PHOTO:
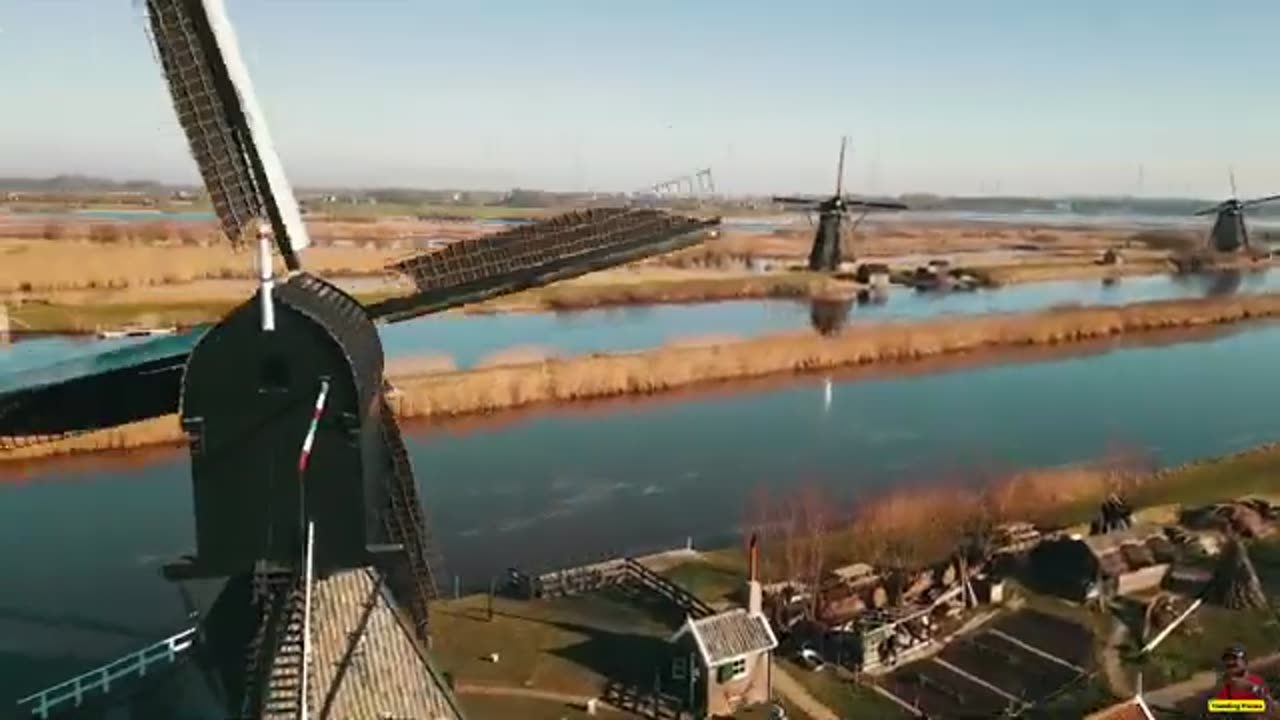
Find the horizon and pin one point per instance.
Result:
(371, 188)
(997, 100)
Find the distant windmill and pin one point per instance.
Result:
(826, 254)
(1229, 232)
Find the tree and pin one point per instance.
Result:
(814, 529)
(760, 521)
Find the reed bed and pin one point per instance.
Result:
(918, 524)
(432, 394)
(38, 266)
(674, 367)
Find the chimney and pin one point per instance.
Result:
(755, 594)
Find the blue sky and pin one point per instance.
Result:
(1015, 96)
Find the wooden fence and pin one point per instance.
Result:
(609, 573)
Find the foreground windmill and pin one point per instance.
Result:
(833, 213)
(1229, 232)
(305, 499)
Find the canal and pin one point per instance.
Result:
(84, 543)
(469, 339)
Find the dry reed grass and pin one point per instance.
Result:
(442, 395)
(913, 525)
(38, 266)
(668, 368)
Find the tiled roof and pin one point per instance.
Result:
(729, 636)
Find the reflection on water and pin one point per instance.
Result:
(1225, 282)
(828, 317)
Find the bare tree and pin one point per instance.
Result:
(761, 522)
(815, 527)
(792, 540)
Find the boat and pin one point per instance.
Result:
(133, 331)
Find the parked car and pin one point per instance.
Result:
(810, 658)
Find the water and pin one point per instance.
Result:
(471, 338)
(127, 215)
(557, 488)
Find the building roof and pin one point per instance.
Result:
(1130, 709)
(1100, 544)
(1124, 551)
(729, 636)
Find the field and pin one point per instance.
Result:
(1013, 656)
(573, 645)
(846, 698)
(93, 265)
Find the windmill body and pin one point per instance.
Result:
(834, 223)
(1230, 232)
(826, 253)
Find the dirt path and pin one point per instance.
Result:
(790, 689)
(531, 693)
(1112, 667)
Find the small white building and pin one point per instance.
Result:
(724, 662)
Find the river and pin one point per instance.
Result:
(469, 339)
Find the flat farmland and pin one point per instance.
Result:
(1014, 670)
(941, 693)
(1060, 638)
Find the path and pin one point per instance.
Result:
(531, 693)
(1112, 666)
(796, 694)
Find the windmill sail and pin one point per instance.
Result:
(219, 114)
(534, 255)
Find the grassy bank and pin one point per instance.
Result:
(85, 317)
(204, 301)
(432, 394)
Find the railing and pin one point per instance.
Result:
(133, 665)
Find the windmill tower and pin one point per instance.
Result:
(833, 212)
(306, 505)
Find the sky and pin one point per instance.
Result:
(1073, 97)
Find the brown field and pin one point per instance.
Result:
(442, 395)
(97, 264)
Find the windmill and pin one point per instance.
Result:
(1229, 232)
(305, 499)
(833, 213)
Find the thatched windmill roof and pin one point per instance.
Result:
(1235, 583)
